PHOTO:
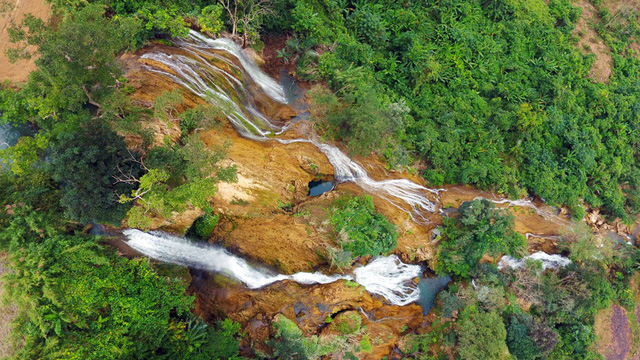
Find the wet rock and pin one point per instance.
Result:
(621, 228)
(298, 248)
(285, 113)
(315, 302)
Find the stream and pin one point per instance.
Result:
(385, 276)
(197, 68)
(220, 72)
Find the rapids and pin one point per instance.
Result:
(197, 67)
(548, 261)
(385, 276)
(221, 73)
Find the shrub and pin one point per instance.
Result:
(360, 229)
(204, 225)
(481, 335)
(480, 229)
(365, 343)
(289, 342)
(348, 323)
(339, 258)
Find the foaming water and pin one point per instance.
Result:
(198, 69)
(268, 84)
(385, 276)
(548, 261)
(391, 278)
(545, 212)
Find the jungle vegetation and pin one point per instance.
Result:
(490, 93)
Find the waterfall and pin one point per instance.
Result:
(544, 213)
(193, 66)
(385, 276)
(548, 261)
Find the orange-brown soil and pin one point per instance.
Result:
(17, 9)
(591, 43)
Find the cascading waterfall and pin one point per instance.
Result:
(544, 213)
(548, 261)
(219, 71)
(196, 71)
(384, 276)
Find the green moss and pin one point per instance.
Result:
(360, 229)
(348, 323)
(365, 344)
(351, 284)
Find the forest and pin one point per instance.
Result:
(493, 94)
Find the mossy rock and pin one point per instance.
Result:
(347, 322)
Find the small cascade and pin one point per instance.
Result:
(391, 278)
(548, 261)
(268, 84)
(196, 66)
(385, 276)
(544, 212)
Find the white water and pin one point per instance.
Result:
(212, 83)
(269, 85)
(547, 214)
(548, 261)
(385, 276)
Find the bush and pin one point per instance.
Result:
(198, 117)
(480, 228)
(338, 258)
(360, 229)
(365, 343)
(347, 323)
(481, 335)
(204, 225)
(289, 342)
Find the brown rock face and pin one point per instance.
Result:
(312, 307)
(276, 241)
(285, 113)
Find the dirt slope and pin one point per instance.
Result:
(15, 11)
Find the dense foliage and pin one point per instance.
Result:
(360, 229)
(84, 163)
(491, 93)
(478, 229)
(498, 95)
(482, 335)
(78, 300)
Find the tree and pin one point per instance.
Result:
(85, 162)
(76, 62)
(480, 228)
(246, 13)
(210, 19)
(519, 338)
(176, 177)
(360, 229)
(481, 335)
(362, 117)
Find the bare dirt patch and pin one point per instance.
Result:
(7, 313)
(613, 333)
(615, 6)
(19, 71)
(591, 43)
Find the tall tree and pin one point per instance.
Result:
(85, 163)
(76, 61)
